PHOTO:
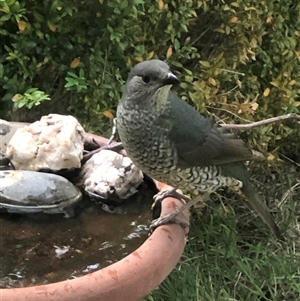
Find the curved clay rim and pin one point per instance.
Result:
(129, 279)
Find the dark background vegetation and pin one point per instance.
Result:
(72, 57)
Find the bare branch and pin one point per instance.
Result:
(261, 122)
(113, 147)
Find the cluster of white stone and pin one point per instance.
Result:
(56, 142)
(108, 173)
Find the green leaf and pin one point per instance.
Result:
(1, 71)
(205, 64)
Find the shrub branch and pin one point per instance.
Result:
(261, 122)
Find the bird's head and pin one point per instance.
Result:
(149, 82)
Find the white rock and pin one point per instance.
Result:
(108, 173)
(55, 142)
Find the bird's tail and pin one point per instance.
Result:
(260, 208)
(239, 171)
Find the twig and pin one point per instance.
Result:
(288, 193)
(289, 159)
(228, 92)
(261, 122)
(227, 111)
(113, 147)
(231, 71)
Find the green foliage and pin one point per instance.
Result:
(31, 97)
(75, 81)
(79, 53)
(261, 41)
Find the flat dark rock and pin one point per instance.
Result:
(30, 192)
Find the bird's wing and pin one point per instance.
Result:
(201, 142)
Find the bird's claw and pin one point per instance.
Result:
(172, 192)
(170, 218)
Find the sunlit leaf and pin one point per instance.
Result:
(269, 20)
(266, 92)
(139, 59)
(150, 55)
(212, 81)
(169, 52)
(108, 114)
(292, 82)
(16, 97)
(205, 64)
(227, 29)
(22, 25)
(128, 62)
(254, 106)
(161, 4)
(52, 27)
(271, 157)
(75, 62)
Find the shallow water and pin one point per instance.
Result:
(42, 248)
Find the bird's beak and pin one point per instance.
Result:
(171, 79)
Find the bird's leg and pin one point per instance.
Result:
(113, 131)
(172, 218)
(171, 192)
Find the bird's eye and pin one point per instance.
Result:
(146, 79)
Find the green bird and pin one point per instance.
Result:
(172, 143)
